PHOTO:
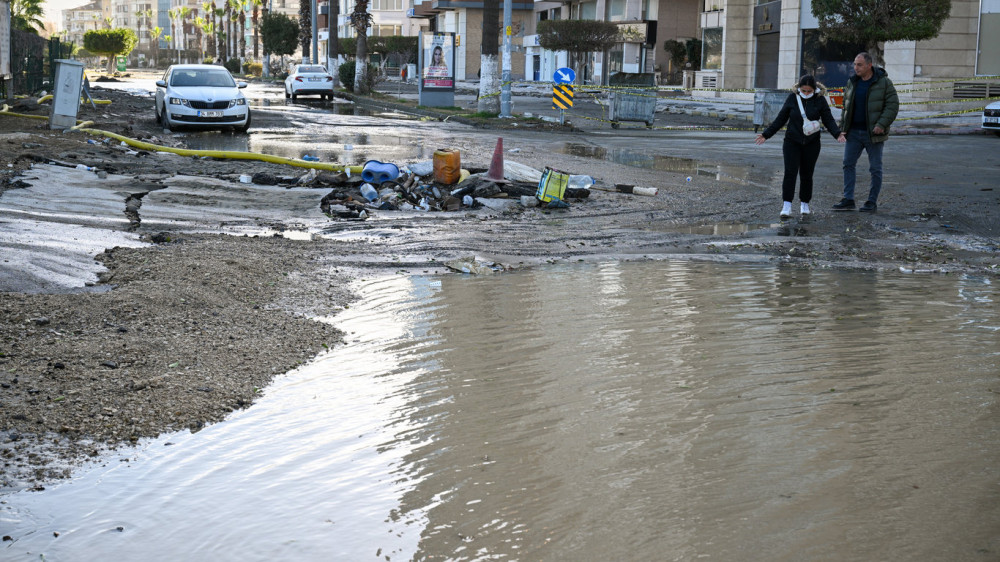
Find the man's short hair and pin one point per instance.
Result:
(866, 56)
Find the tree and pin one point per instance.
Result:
(305, 27)
(255, 20)
(243, 30)
(489, 79)
(873, 22)
(361, 20)
(578, 37)
(26, 15)
(279, 34)
(154, 37)
(110, 42)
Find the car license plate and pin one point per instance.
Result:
(315, 79)
(209, 114)
(991, 119)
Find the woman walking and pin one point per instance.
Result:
(803, 110)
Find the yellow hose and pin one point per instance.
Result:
(47, 97)
(229, 154)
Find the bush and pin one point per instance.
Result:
(253, 68)
(233, 65)
(208, 60)
(346, 75)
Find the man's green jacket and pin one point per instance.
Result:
(883, 105)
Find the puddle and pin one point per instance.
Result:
(578, 413)
(720, 228)
(337, 144)
(630, 157)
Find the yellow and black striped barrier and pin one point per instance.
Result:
(562, 96)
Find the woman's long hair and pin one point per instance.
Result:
(809, 80)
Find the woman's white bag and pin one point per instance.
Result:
(808, 127)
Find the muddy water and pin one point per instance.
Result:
(639, 411)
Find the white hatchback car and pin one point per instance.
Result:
(308, 79)
(991, 118)
(203, 96)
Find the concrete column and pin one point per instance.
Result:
(790, 46)
(632, 58)
(737, 44)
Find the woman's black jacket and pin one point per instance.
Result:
(816, 108)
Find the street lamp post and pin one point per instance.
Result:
(505, 72)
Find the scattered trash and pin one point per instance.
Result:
(552, 185)
(580, 182)
(246, 179)
(308, 158)
(82, 167)
(467, 201)
(447, 166)
(529, 201)
(378, 172)
(92, 141)
(475, 266)
(519, 172)
(348, 147)
(635, 190)
(689, 178)
(369, 192)
(422, 168)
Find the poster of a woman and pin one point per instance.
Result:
(438, 50)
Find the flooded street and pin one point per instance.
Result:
(669, 410)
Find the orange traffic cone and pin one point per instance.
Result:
(495, 173)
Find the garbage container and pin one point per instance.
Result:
(637, 103)
(767, 103)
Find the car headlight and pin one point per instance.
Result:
(237, 101)
(179, 101)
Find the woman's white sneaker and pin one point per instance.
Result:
(804, 209)
(786, 210)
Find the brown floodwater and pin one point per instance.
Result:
(669, 410)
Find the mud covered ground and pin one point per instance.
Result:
(181, 332)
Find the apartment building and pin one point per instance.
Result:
(78, 21)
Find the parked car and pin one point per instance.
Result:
(201, 95)
(991, 118)
(309, 79)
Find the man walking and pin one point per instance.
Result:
(870, 106)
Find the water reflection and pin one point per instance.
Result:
(631, 157)
(644, 411)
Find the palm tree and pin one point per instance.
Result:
(361, 20)
(305, 27)
(154, 36)
(243, 31)
(26, 15)
(209, 26)
(256, 25)
(172, 16)
(199, 27)
(145, 18)
(182, 13)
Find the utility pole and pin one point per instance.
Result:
(505, 73)
(315, 30)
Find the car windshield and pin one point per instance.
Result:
(311, 69)
(202, 77)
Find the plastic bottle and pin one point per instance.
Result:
(368, 192)
(580, 182)
(308, 158)
(82, 167)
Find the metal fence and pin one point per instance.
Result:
(31, 56)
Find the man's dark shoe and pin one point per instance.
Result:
(868, 207)
(844, 205)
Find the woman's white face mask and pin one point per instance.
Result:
(805, 95)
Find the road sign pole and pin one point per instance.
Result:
(562, 116)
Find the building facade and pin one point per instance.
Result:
(754, 44)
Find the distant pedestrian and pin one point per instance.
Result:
(802, 111)
(870, 107)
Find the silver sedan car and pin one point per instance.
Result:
(309, 79)
(203, 96)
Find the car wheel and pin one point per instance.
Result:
(246, 127)
(287, 95)
(294, 96)
(156, 109)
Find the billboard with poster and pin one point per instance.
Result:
(438, 61)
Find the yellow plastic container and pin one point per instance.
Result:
(447, 166)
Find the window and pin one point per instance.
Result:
(711, 49)
(386, 5)
(615, 10)
(584, 11)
